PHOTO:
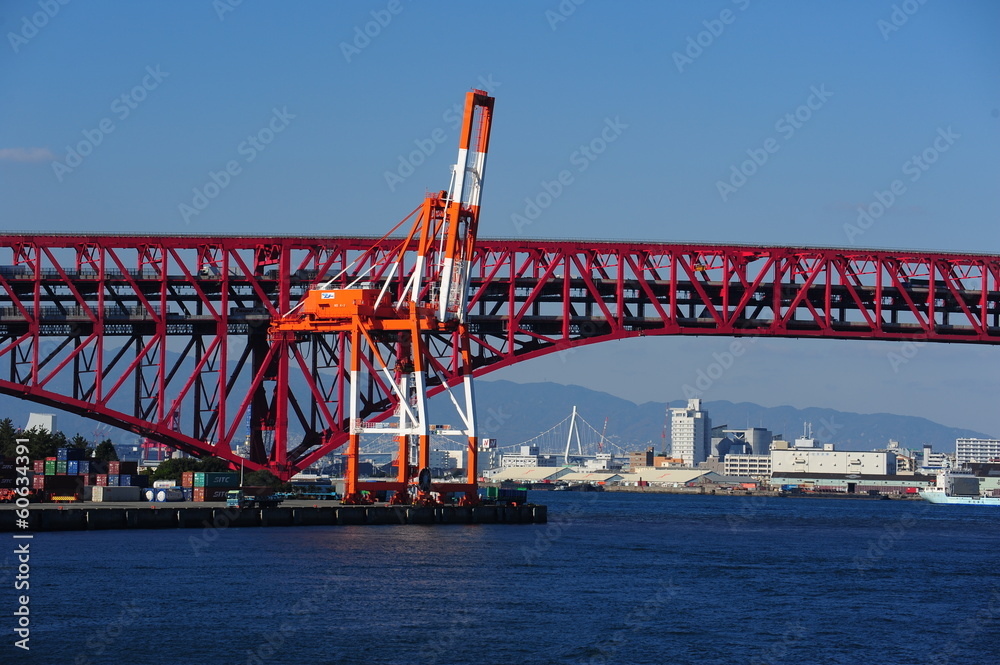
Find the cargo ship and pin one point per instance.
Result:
(958, 487)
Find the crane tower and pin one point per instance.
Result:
(405, 335)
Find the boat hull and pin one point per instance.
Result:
(938, 496)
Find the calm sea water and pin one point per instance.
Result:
(613, 578)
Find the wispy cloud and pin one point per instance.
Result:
(26, 155)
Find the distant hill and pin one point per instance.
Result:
(515, 412)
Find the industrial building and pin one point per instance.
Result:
(976, 450)
(851, 483)
(829, 461)
(755, 466)
(528, 456)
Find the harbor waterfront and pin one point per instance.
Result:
(141, 515)
(612, 578)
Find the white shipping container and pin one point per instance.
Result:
(106, 494)
(163, 484)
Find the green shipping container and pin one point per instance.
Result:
(50, 468)
(61, 467)
(219, 479)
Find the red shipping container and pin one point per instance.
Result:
(199, 494)
(113, 468)
(102, 479)
(39, 466)
(89, 479)
(187, 479)
(38, 482)
(51, 459)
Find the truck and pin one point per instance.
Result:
(253, 498)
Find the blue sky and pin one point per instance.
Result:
(691, 88)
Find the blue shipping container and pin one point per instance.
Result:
(72, 468)
(113, 480)
(84, 467)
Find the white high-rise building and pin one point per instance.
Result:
(976, 450)
(691, 433)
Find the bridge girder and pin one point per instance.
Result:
(166, 336)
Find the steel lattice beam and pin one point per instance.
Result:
(166, 336)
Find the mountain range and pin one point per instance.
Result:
(516, 412)
(513, 413)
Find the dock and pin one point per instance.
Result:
(43, 517)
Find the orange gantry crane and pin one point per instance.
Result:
(406, 334)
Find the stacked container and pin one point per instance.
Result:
(69, 472)
(7, 474)
(213, 486)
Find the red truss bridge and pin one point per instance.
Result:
(167, 336)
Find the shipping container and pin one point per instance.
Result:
(50, 467)
(63, 485)
(7, 469)
(133, 480)
(210, 493)
(83, 467)
(39, 466)
(163, 484)
(61, 467)
(102, 479)
(118, 468)
(113, 480)
(38, 482)
(68, 454)
(188, 493)
(98, 466)
(89, 479)
(105, 494)
(187, 479)
(217, 479)
(73, 468)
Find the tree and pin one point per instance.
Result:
(8, 434)
(43, 443)
(212, 464)
(105, 451)
(78, 442)
(172, 469)
(262, 478)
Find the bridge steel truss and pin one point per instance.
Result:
(167, 336)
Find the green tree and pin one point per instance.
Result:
(8, 434)
(172, 469)
(105, 451)
(262, 478)
(43, 443)
(212, 464)
(78, 442)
